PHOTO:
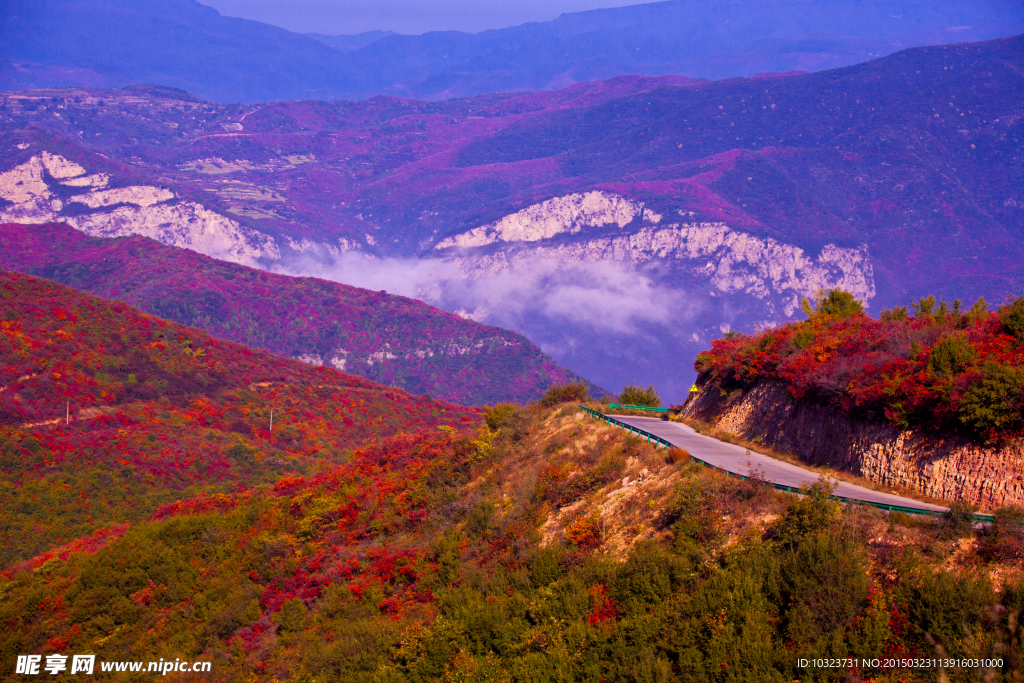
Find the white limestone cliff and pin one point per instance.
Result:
(24, 183)
(60, 168)
(569, 214)
(185, 224)
(139, 195)
(731, 261)
(135, 210)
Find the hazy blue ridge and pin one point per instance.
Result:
(181, 43)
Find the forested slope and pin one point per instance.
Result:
(941, 367)
(389, 339)
(106, 414)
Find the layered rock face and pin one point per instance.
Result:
(603, 226)
(954, 469)
(33, 191)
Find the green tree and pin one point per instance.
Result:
(634, 395)
(807, 514)
(574, 392)
(995, 401)
(977, 311)
(951, 355)
(836, 303)
(894, 314)
(924, 307)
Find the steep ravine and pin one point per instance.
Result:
(950, 468)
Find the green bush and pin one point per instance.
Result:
(447, 555)
(508, 418)
(951, 355)
(649, 576)
(634, 395)
(292, 616)
(994, 402)
(807, 514)
(574, 392)
(1012, 317)
(546, 565)
(803, 338)
(690, 513)
(826, 584)
(943, 604)
(479, 519)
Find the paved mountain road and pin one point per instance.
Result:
(739, 460)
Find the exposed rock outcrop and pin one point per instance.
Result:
(568, 214)
(730, 261)
(117, 212)
(950, 468)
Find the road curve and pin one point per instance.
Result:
(739, 460)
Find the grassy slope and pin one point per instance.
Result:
(158, 412)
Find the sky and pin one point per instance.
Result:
(402, 16)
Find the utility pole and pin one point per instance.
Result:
(271, 419)
(67, 412)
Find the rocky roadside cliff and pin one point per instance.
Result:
(950, 468)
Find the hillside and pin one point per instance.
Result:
(106, 414)
(945, 368)
(184, 44)
(547, 546)
(389, 339)
(700, 39)
(661, 209)
(175, 43)
(931, 400)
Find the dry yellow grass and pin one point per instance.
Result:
(629, 506)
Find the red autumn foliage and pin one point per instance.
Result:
(942, 369)
(435, 352)
(602, 606)
(107, 415)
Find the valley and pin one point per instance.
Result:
(785, 184)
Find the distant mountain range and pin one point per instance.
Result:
(390, 339)
(618, 224)
(183, 44)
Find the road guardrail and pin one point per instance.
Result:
(624, 407)
(659, 441)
